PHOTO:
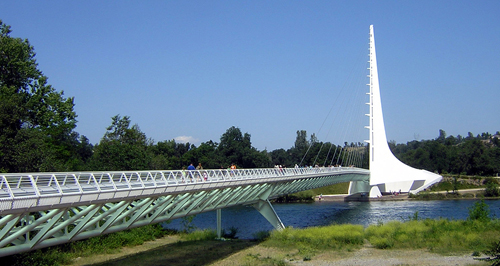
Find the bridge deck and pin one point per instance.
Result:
(21, 192)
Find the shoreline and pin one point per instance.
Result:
(341, 197)
(474, 195)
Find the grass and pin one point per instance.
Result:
(440, 236)
(447, 237)
(64, 254)
(328, 237)
(200, 235)
(308, 195)
(340, 188)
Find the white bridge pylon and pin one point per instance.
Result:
(387, 173)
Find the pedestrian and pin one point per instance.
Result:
(198, 168)
(190, 169)
(183, 174)
(233, 167)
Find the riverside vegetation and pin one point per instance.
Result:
(478, 235)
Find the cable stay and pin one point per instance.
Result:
(348, 120)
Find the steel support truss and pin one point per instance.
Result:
(39, 225)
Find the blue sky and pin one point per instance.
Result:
(192, 69)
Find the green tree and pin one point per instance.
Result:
(235, 147)
(207, 155)
(36, 122)
(123, 147)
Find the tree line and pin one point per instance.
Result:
(37, 131)
(470, 155)
(37, 134)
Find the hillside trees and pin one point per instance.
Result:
(236, 148)
(478, 155)
(36, 121)
(123, 147)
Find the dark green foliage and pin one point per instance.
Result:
(36, 121)
(231, 234)
(471, 155)
(491, 188)
(305, 196)
(236, 148)
(122, 148)
(261, 235)
(187, 224)
(480, 211)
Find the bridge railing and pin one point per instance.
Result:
(28, 190)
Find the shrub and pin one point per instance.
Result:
(480, 211)
(187, 223)
(232, 233)
(261, 235)
(200, 235)
(491, 189)
(382, 243)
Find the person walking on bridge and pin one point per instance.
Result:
(190, 172)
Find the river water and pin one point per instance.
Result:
(248, 221)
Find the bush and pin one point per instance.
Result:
(200, 235)
(480, 211)
(491, 189)
(232, 233)
(261, 235)
(64, 254)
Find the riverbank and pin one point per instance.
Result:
(475, 193)
(341, 197)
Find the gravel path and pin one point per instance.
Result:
(376, 257)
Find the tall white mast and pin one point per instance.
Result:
(387, 173)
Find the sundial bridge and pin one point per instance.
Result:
(39, 210)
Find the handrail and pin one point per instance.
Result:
(28, 190)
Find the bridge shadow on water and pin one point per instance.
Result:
(184, 253)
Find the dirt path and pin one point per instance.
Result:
(171, 251)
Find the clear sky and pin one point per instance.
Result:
(192, 69)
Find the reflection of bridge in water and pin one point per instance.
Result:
(45, 209)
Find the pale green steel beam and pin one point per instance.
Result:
(266, 209)
(70, 224)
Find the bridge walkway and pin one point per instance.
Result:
(38, 210)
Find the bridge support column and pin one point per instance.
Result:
(266, 209)
(359, 187)
(219, 223)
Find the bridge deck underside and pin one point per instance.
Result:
(41, 225)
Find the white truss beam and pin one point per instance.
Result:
(38, 210)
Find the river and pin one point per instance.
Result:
(248, 221)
